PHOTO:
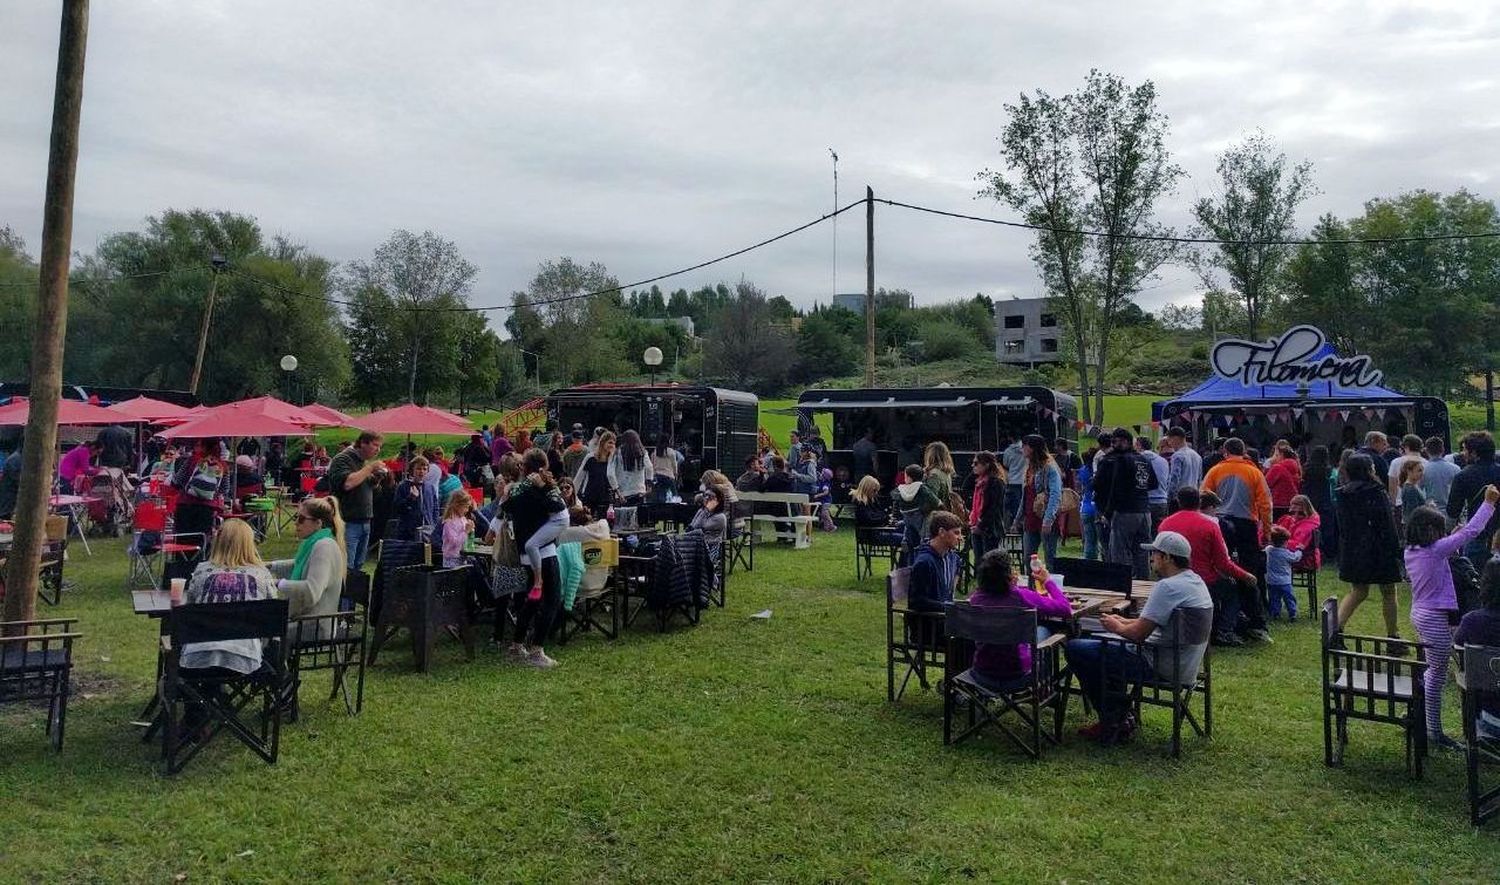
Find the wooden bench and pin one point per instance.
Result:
(795, 526)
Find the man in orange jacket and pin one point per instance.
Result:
(1246, 507)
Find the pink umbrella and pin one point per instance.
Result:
(217, 423)
(269, 407)
(151, 411)
(333, 416)
(414, 419)
(69, 411)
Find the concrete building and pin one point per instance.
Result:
(1026, 332)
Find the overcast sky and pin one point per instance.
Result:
(653, 135)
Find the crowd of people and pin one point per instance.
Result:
(1226, 532)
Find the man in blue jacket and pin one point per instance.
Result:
(934, 568)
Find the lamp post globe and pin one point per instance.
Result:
(652, 357)
(288, 363)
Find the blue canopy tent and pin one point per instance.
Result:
(1294, 402)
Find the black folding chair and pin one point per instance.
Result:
(739, 537)
(871, 543)
(1308, 578)
(335, 642)
(36, 664)
(1478, 681)
(51, 583)
(913, 639)
(1371, 683)
(1094, 574)
(1027, 696)
(1014, 543)
(218, 699)
(1187, 627)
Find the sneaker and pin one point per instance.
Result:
(1395, 647)
(539, 660)
(1259, 634)
(1227, 640)
(515, 653)
(1093, 731)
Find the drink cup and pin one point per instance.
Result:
(176, 587)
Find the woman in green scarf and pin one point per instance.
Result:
(314, 580)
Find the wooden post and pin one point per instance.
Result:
(38, 458)
(869, 287)
(208, 318)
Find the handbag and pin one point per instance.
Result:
(506, 552)
(509, 580)
(203, 485)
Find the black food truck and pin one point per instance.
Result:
(905, 420)
(713, 428)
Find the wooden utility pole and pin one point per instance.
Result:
(208, 318)
(38, 458)
(869, 287)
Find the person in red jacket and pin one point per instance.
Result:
(1303, 522)
(1284, 478)
(1226, 581)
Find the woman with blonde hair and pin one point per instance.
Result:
(313, 581)
(233, 572)
(938, 470)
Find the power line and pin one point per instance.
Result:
(1161, 238)
(581, 295)
(85, 282)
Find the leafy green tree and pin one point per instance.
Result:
(1095, 159)
(18, 289)
(567, 314)
(748, 348)
(141, 296)
(829, 343)
(1257, 206)
(414, 290)
(478, 360)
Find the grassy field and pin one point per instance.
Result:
(738, 750)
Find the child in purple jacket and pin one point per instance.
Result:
(1434, 604)
(996, 665)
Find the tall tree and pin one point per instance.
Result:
(1257, 206)
(141, 295)
(566, 315)
(426, 281)
(747, 348)
(1095, 159)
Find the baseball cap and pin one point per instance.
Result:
(1172, 544)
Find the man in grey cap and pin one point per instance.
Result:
(1178, 617)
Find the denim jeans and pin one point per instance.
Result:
(1127, 532)
(1276, 594)
(1226, 596)
(1014, 493)
(1090, 537)
(1032, 541)
(357, 542)
(1104, 671)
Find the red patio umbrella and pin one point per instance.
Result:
(333, 416)
(69, 411)
(414, 419)
(268, 407)
(151, 411)
(231, 423)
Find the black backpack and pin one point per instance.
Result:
(1465, 583)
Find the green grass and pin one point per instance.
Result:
(738, 750)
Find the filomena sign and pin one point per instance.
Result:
(1300, 355)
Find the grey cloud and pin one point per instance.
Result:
(653, 135)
